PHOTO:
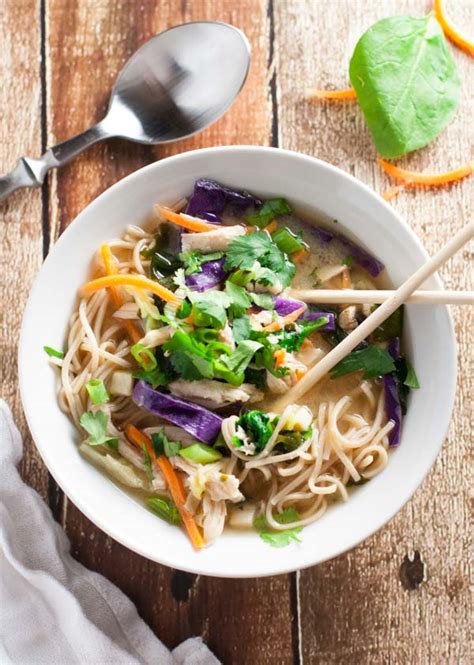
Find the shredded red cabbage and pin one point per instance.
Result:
(212, 274)
(210, 198)
(393, 407)
(373, 266)
(330, 326)
(194, 419)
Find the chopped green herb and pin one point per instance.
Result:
(241, 328)
(288, 241)
(391, 327)
(52, 352)
(144, 356)
(291, 340)
(373, 360)
(97, 391)
(263, 300)
(270, 209)
(238, 361)
(95, 425)
(194, 260)
(243, 252)
(239, 299)
(348, 261)
(209, 314)
(279, 538)
(184, 310)
(200, 453)
(164, 508)
(258, 377)
(163, 446)
(258, 426)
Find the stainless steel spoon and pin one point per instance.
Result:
(175, 85)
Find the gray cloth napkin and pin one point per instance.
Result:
(52, 609)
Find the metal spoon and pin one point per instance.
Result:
(175, 85)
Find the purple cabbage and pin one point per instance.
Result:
(285, 306)
(393, 407)
(373, 266)
(330, 326)
(394, 347)
(210, 198)
(194, 419)
(212, 274)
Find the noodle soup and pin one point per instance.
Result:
(185, 337)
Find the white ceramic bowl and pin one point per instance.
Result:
(323, 191)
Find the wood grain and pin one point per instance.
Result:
(372, 605)
(20, 217)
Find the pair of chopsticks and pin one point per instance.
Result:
(391, 300)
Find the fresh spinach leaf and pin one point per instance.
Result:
(406, 82)
(391, 327)
(373, 360)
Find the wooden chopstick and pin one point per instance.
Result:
(355, 296)
(377, 317)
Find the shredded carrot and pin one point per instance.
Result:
(111, 268)
(411, 178)
(279, 355)
(307, 344)
(274, 326)
(186, 221)
(298, 256)
(299, 373)
(272, 227)
(175, 485)
(450, 30)
(139, 281)
(332, 95)
(394, 191)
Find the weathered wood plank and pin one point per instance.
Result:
(21, 215)
(358, 607)
(83, 59)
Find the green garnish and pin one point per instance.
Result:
(258, 426)
(279, 538)
(391, 327)
(239, 298)
(97, 391)
(95, 425)
(411, 379)
(288, 241)
(291, 340)
(258, 249)
(238, 361)
(348, 261)
(144, 356)
(155, 377)
(200, 453)
(373, 360)
(263, 300)
(52, 352)
(241, 328)
(163, 446)
(194, 260)
(270, 209)
(164, 508)
(406, 82)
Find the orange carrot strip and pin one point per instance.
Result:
(299, 256)
(271, 227)
(279, 355)
(111, 268)
(299, 373)
(450, 30)
(332, 95)
(173, 481)
(394, 191)
(274, 326)
(139, 281)
(186, 221)
(411, 178)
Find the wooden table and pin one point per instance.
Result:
(403, 595)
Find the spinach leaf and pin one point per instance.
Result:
(406, 82)
(258, 426)
(373, 360)
(391, 327)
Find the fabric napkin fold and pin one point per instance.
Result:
(52, 609)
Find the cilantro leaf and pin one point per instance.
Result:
(209, 314)
(241, 328)
(189, 357)
(239, 299)
(97, 391)
(373, 360)
(270, 209)
(279, 538)
(292, 340)
(244, 251)
(95, 425)
(237, 362)
(194, 260)
(263, 300)
(163, 446)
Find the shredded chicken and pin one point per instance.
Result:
(261, 319)
(276, 385)
(214, 394)
(157, 337)
(226, 336)
(211, 241)
(274, 289)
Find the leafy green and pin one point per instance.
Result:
(200, 453)
(241, 328)
(239, 298)
(189, 357)
(163, 446)
(279, 538)
(194, 260)
(406, 82)
(288, 441)
(184, 310)
(263, 300)
(258, 426)
(165, 509)
(208, 313)
(144, 356)
(411, 379)
(288, 241)
(52, 353)
(97, 391)
(391, 327)
(243, 252)
(373, 360)
(348, 261)
(257, 377)
(291, 340)
(239, 359)
(270, 209)
(95, 425)
(161, 375)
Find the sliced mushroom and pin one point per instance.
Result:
(347, 319)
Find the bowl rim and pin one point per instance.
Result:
(164, 558)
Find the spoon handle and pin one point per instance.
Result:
(30, 172)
